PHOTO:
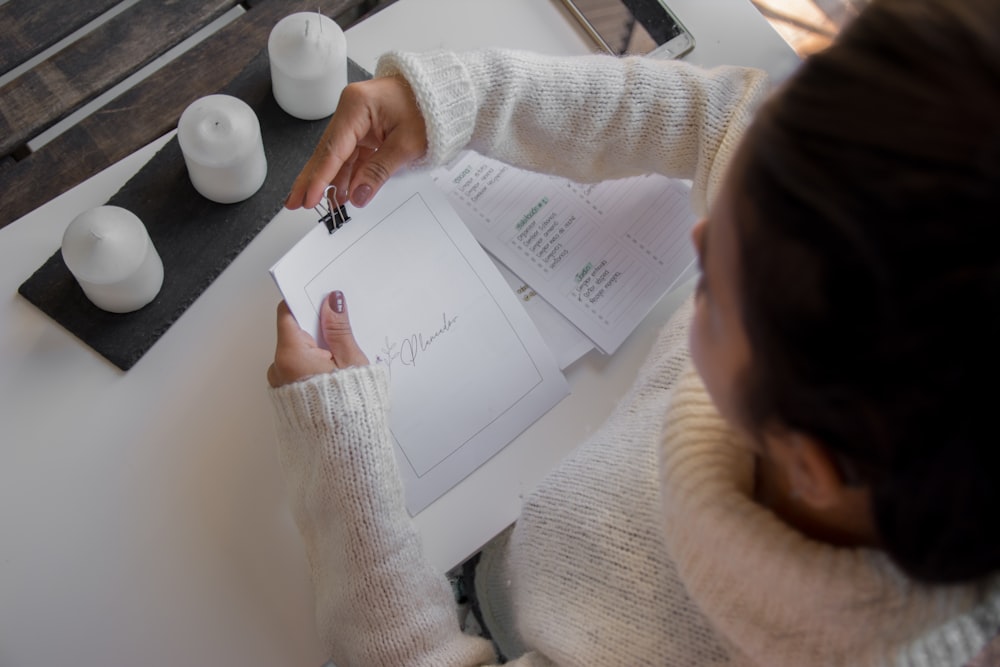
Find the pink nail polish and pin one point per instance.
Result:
(337, 301)
(362, 195)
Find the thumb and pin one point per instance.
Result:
(336, 328)
(374, 167)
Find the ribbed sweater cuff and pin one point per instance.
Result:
(349, 407)
(445, 96)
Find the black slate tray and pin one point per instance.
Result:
(196, 238)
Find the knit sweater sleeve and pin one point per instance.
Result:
(588, 118)
(378, 600)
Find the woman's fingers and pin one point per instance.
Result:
(376, 130)
(336, 326)
(296, 355)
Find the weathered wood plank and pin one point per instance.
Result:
(352, 12)
(30, 26)
(41, 96)
(148, 110)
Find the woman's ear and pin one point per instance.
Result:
(810, 473)
(811, 495)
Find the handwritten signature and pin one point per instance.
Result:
(408, 350)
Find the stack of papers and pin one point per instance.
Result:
(475, 345)
(601, 255)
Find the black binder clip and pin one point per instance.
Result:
(333, 215)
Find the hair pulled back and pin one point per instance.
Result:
(870, 266)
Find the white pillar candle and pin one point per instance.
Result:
(308, 54)
(109, 252)
(220, 139)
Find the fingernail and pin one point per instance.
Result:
(362, 194)
(337, 301)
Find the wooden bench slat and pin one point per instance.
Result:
(148, 110)
(30, 26)
(41, 96)
(351, 14)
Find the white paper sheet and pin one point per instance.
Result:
(469, 370)
(566, 341)
(601, 254)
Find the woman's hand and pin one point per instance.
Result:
(297, 356)
(376, 129)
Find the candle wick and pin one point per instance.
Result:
(307, 28)
(319, 17)
(97, 235)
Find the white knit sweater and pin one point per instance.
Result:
(645, 546)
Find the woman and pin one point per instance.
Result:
(826, 490)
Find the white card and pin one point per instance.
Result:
(469, 370)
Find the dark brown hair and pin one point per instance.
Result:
(870, 265)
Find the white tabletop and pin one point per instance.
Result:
(142, 516)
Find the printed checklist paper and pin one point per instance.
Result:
(469, 370)
(601, 254)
